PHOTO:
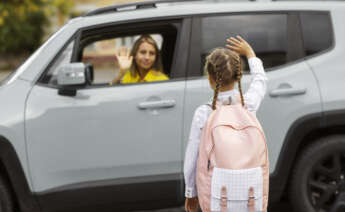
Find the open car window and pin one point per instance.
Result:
(98, 47)
(101, 55)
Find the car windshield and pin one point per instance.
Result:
(13, 75)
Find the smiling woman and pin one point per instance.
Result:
(132, 58)
(147, 65)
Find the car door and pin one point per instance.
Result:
(113, 145)
(292, 90)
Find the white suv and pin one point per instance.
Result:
(71, 142)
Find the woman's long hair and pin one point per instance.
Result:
(157, 65)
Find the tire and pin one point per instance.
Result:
(318, 178)
(6, 203)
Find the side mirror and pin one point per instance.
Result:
(89, 74)
(72, 76)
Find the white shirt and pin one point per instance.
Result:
(252, 99)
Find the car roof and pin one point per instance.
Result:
(205, 6)
(190, 8)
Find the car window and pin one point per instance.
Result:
(317, 31)
(151, 44)
(267, 33)
(65, 56)
(96, 47)
(101, 54)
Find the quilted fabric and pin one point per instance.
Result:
(237, 183)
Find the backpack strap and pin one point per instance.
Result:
(223, 200)
(232, 100)
(251, 200)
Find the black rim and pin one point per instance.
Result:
(326, 183)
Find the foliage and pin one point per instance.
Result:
(22, 23)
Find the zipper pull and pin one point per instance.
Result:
(208, 165)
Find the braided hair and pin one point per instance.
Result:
(224, 66)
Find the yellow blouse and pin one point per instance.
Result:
(152, 75)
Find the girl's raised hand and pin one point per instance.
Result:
(124, 59)
(240, 46)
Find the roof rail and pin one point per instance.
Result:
(137, 5)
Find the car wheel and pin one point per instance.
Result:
(6, 203)
(318, 179)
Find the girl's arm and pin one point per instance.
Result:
(257, 88)
(192, 151)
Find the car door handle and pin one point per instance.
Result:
(287, 91)
(157, 104)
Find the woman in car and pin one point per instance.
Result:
(147, 64)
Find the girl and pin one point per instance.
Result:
(147, 64)
(224, 69)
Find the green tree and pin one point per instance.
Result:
(22, 23)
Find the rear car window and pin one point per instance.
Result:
(317, 32)
(267, 34)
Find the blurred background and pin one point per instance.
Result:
(26, 24)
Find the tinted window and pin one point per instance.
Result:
(267, 33)
(317, 32)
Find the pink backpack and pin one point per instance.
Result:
(233, 167)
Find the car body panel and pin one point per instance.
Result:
(329, 67)
(101, 134)
(285, 110)
(12, 124)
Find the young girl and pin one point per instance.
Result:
(224, 70)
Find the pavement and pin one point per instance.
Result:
(278, 207)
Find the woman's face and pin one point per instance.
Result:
(145, 56)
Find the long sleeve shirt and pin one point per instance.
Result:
(252, 100)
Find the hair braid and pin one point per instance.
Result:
(238, 77)
(224, 67)
(216, 91)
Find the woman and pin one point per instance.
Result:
(147, 66)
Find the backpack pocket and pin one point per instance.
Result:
(237, 184)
